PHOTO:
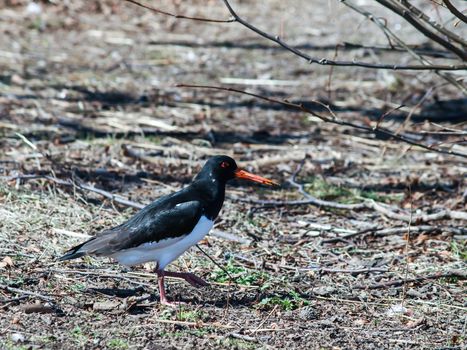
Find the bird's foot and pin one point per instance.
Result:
(191, 278)
(171, 303)
(195, 281)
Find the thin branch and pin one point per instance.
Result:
(455, 11)
(26, 292)
(407, 15)
(333, 119)
(369, 204)
(69, 183)
(325, 61)
(422, 16)
(354, 271)
(421, 51)
(389, 32)
(200, 19)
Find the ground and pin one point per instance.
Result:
(88, 98)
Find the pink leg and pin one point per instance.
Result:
(192, 279)
(160, 278)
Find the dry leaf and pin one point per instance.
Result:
(7, 262)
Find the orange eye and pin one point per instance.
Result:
(225, 165)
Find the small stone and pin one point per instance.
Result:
(308, 313)
(106, 306)
(324, 291)
(363, 296)
(17, 338)
(414, 293)
(397, 309)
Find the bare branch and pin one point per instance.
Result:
(422, 16)
(328, 62)
(455, 11)
(389, 32)
(201, 19)
(334, 119)
(310, 59)
(409, 17)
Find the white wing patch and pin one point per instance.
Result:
(166, 250)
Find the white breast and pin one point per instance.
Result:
(165, 251)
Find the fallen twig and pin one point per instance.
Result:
(26, 292)
(199, 324)
(115, 198)
(445, 214)
(368, 204)
(395, 283)
(354, 271)
(380, 232)
(69, 183)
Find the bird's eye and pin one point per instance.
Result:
(225, 165)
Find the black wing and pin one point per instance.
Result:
(157, 221)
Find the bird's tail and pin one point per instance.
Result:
(101, 245)
(75, 252)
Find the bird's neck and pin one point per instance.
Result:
(212, 193)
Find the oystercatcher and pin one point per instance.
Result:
(166, 228)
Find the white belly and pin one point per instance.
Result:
(166, 250)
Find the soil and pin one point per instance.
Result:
(88, 97)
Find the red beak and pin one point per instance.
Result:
(242, 174)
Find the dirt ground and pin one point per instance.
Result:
(88, 100)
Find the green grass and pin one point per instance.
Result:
(117, 343)
(321, 189)
(239, 274)
(77, 287)
(291, 302)
(11, 346)
(233, 343)
(45, 340)
(459, 249)
(159, 54)
(190, 315)
(18, 281)
(183, 314)
(78, 336)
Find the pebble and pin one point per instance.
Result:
(17, 338)
(324, 291)
(308, 313)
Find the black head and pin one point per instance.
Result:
(224, 168)
(221, 168)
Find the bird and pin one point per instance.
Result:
(164, 229)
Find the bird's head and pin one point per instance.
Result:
(224, 168)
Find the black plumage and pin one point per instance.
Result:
(171, 224)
